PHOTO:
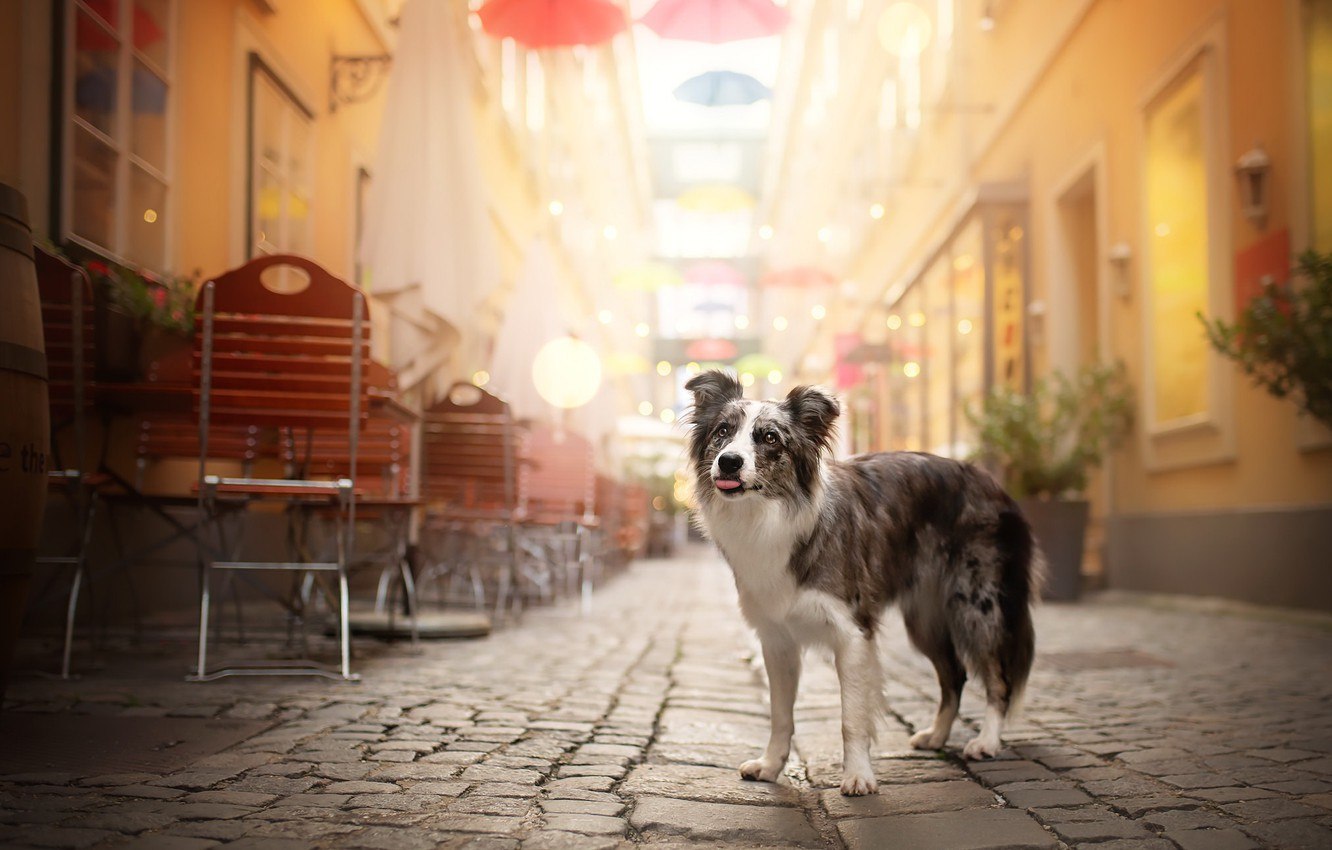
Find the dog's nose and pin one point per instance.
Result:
(730, 463)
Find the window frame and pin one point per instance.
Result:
(68, 124)
(1207, 437)
(256, 65)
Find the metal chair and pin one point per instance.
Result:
(67, 323)
(273, 353)
(473, 487)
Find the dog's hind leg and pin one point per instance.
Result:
(860, 676)
(938, 647)
(781, 658)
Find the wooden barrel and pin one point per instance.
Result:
(24, 420)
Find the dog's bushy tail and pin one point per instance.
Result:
(1022, 575)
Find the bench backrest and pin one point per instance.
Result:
(471, 460)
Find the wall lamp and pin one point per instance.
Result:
(1252, 170)
(355, 79)
(1119, 256)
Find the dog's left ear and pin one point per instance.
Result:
(815, 410)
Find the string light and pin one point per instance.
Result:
(779, 323)
(663, 368)
(894, 322)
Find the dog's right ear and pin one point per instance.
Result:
(711, 390)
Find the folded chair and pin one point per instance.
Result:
(67, 323)
(561, 504)
(473, 487)
(282, 344)
(383, 498)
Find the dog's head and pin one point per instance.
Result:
(742, 449)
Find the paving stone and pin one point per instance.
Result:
(218, 830)
(710, 784)
(151, 792)
(169, 842)
(486, 773)
(908, 799)
(509, 806)
(1186, 819)
(1211, 839)
(130, 823)
(614, 771)
(581, 807)
(1292, 834)
(237, 798)
(1270, 810)
(400, 801)
(59, 836)
(361, 787)
(585, 824)
(659, 817)
(581, 783)
(977, 829)
(1100, 830)
(1040, 795)
(569, 841)
(444, 789)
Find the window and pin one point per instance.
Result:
(118, 68)
(1178, 271)
(280, 166)
(1318, 87)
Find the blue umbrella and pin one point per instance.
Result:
(722, 88)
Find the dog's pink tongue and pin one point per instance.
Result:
(723, 484)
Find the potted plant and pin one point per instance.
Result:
(161, 309)
(1043, 444)
(1283, 337)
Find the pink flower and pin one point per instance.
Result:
(159, 297)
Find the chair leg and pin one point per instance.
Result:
(344, 624)
(70, 612)
(205, 575)
(409, 596)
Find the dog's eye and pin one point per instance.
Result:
(770, 437)
(723, 431)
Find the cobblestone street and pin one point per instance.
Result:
(1144, 727)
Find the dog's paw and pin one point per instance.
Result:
(858, 784)
(760, 770)
(980, 748)
(928, 740)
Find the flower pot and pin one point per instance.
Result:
(165, 356)
(1061, 531)
(117, 334)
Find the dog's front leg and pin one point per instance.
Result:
(781, 658)
(861, 681)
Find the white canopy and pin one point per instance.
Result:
(429, 243)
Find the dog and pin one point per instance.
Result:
(820, 548)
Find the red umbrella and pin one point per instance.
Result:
(553, 23)
(798, 277)
(716, 21)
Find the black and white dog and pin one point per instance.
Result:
(821, 547)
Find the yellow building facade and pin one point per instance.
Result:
(1097, 212)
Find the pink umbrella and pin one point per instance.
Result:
(552, 23)
(714, 273)
(710, 349)
(798, 277)
(716, 21)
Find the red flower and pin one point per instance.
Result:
(159, 297)
(98, 268)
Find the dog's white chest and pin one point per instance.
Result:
(757, 541)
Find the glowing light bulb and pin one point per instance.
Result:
(894, 322)
(779, 323)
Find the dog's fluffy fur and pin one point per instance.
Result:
(820, 548)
